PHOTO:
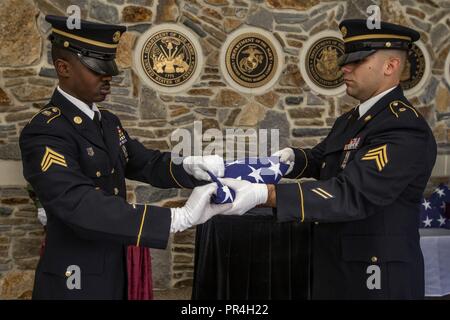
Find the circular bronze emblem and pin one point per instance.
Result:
(321, 62)
(251, 60)
(414, 68)
(169, 58)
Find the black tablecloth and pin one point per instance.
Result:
(251, 257)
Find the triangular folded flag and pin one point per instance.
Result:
(267, 170)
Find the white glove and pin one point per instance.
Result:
(248, 195)
(42, 217)
(287, 156)
(198, 209)
(198, 165)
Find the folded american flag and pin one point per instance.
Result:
(433, 211)
(267, 170)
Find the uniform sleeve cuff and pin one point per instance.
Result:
(289, 202)
(155, 227)
(301, 163)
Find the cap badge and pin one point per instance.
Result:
(116, 36)
(344, 31)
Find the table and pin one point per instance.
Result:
(435, 244)
(251, 257)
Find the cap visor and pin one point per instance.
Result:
(103, 67)
(354, 57)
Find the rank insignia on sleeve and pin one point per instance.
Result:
(322, 193)
(52, 157)
(379, 155)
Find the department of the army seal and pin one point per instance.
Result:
(251, 60)
(169, 58)
(414, 68)
(321, 62)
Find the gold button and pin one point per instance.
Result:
(77, 120)
(324, 164)
(388, 44)
(316, 223)
(98, 174)
(367, 118)
(402, 109)
(374, 259)
(112, 171)
(66, 44)
(68, 273)
(395, 104)
(116, 191)
(97, 188)
(54, 109)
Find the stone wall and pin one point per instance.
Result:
(27, 80)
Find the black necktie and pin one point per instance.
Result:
(97, 121)
(354, 115)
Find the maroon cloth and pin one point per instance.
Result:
(139, 267)
(44, 241)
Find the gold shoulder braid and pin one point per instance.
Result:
(398, 107)
(51, 112)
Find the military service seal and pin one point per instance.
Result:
(251, 60)
(168, 58)
(321, 62)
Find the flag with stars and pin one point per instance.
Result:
(267, 170)
(433, 211)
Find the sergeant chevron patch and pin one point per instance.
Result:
(379, 155)
(52, 157)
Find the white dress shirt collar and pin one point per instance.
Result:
(80, 104)
(366, 105)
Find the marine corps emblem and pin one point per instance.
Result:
(322, 62)
(251, 60)
(169, 58)
(414, 68)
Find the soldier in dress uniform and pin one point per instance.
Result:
(371, 171)
(76, 156)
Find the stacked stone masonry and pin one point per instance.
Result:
(27, 80)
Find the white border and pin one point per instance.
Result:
(278, 49)
(447, 69)
(140, 45)
(314, 87)
(426, 73)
